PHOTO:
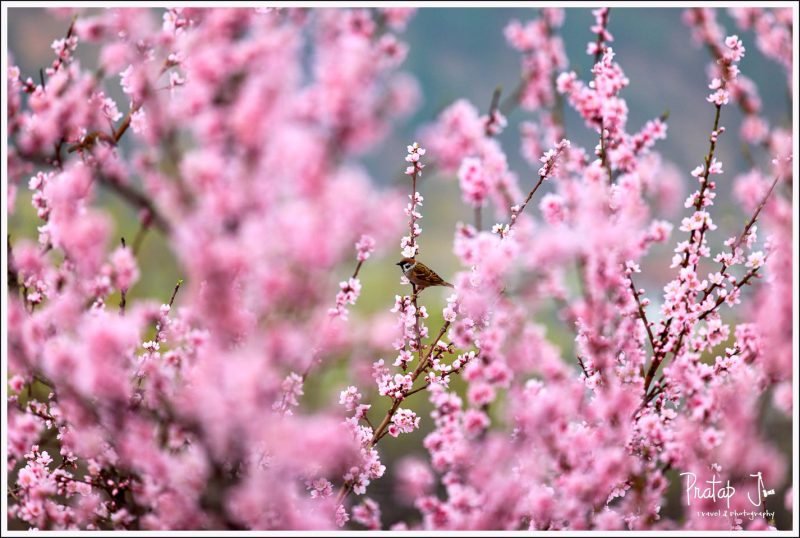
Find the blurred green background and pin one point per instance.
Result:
(461, 53)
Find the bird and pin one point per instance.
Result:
(420, 275)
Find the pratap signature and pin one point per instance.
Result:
(715, 490)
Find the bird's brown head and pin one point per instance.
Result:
(406, 264)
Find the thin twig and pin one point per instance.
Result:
(512, 101)
(753, 219)
(138, 199)
(358, 268)
(642, 314)
(742, 236)
(60, 60)
(11, 270)
(493, 106)
(137, 241)
(175, 292)
(604, 160)
(598, 54)
(417, 316)
(698, 205)
(415, 247)
(583, 367)
(488, 132)
(122, 292)
(603, 25)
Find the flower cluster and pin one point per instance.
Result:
(464, 142)
(596, 48)
(602, 108)
(365, 247)
(549, 161)
(474, 188)
(543, 56)
(350, 290)
(408, 243)
(772, 32)
(415, 152)
(403, 421)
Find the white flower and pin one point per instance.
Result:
(756, 260)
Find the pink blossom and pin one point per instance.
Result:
(124, 267)
(481, 394)
(350, 398)
(403, 421)
(292, 387)
(755, 260)
(368, 514)
(736, 49)
(320, 488)
(139, 121)
(365, 247)
(413, 157)
(341, 516)
(553, 209)
(348, 294)
(550, 158)
(397, 17)
(475, 422)
(472, 181)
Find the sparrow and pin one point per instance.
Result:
(420, 275)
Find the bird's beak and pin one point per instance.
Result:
(399, 263)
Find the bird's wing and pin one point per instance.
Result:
(428, 275)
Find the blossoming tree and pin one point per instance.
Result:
(240, 143)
